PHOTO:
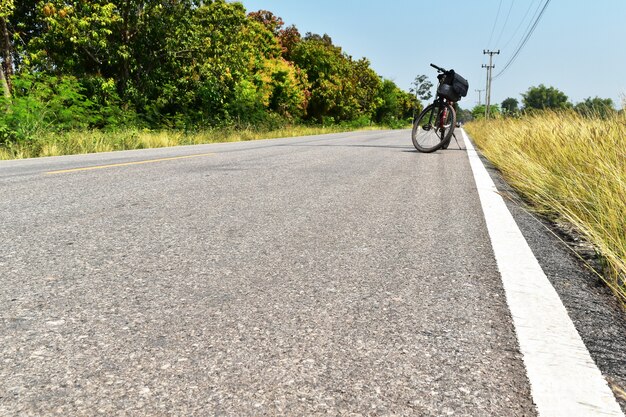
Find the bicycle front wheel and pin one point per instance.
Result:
(433, 127)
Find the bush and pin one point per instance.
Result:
(42, 103)
(359, 122)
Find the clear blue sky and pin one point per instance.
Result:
(577, 47)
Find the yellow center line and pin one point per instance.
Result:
(123, 164)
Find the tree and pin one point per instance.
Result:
(478, 112)
(289, 38)
(390, 103)
(268, 19)
(510, 106)
(602, 107)
(543, 97)
(396, 106)
(331, 76)
(464, 115)
(6, 10)
(421, 87)
(183, 64)
(409, 106)
(368, 86)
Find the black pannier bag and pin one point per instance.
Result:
(460, 85)
(453, 87)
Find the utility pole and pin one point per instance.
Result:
(487, 90)
(489, 68)
(486, 87)
(479, 91)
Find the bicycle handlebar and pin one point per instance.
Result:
(438, 68)
(443, 70)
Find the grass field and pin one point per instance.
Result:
(572, 169)
(91, 141)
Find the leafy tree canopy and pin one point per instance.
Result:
(543, 97)
(510, 106)
(602, 107)
(422, 87)
(181, 64)
(478, 112)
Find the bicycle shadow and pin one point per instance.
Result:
(438, 151)
(407, 148)
(404, 148)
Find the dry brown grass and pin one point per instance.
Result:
(571, 168)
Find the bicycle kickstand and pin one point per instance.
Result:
(457, 141)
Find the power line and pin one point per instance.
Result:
(532, 24)
(521, 23)
(495, 23)
(505, 22)
(523, 42)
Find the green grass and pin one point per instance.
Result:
(572, 169)
(92, 141)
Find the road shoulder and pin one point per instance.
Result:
(595, 312)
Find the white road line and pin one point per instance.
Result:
(564, 379)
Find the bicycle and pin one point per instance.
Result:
(434, 127)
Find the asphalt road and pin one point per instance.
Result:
(343, 274)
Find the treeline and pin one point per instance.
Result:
(182, 64)
(541, 98)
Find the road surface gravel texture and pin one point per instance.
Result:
(343, 274)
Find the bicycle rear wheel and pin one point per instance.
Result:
(433, 127)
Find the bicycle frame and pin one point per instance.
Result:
(443, 115)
